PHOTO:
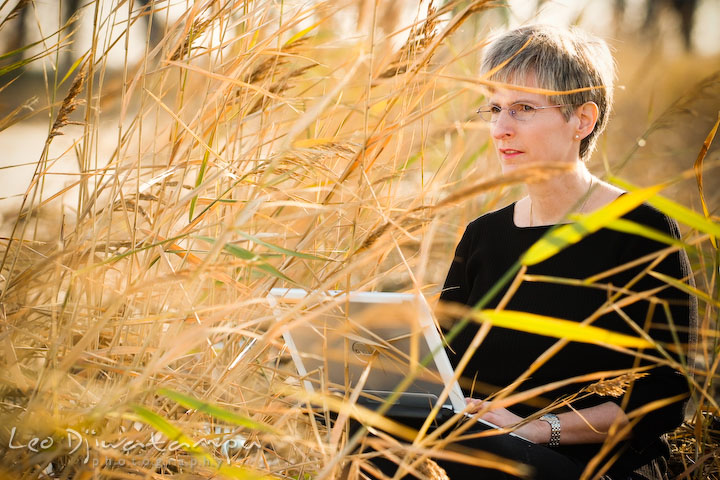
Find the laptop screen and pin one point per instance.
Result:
(367, 340)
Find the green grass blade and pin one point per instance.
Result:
(244, 254)
(17, 51)
(685, 288)
(558, 328)
(201, 173)
(678, 212)
(49, 50)
(172, 432)
(216, 411)
(282, 250)
(73, 67)
(133, 251)
(633, 228)
(175, 434)
(699, 169)
(19, 64)
(685, 215)
(565, 235)
(240, 252)
(241, 473)
(303, 32)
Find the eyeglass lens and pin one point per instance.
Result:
(518, 111)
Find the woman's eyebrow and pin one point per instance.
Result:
(518, 100)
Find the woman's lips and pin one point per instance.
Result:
(509, 152)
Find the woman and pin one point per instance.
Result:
(530, 127)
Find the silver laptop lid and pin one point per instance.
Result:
(369, 339)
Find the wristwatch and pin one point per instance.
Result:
(554, 422)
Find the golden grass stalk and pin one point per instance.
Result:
(251, 147)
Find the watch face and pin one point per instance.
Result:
(554, 422)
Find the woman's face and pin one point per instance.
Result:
(546, 137)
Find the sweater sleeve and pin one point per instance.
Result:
(671, 321)
(458, 281)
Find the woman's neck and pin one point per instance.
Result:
(551, 200)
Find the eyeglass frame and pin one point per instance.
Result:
(481, 110)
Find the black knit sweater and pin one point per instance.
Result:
(493, 243)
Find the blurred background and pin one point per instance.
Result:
(663, 49)
(163, 164)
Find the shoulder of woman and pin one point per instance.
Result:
(650, 216)
(644, 213)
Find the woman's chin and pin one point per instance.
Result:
(510, 167)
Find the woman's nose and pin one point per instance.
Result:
(504, 126)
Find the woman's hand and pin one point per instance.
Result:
(536, 431)
(587, 425)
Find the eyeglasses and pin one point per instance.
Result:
(519, 111)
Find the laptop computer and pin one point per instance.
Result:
(369, 340)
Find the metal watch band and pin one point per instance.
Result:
(554, 422)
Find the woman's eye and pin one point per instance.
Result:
(495, 109)
(525, 107)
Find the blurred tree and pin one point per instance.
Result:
(69, 8)
(684, 9)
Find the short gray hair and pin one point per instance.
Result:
(561, 60)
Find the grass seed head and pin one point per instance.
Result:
(70, 103)
(614, 387)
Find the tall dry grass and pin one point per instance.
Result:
(257, 145)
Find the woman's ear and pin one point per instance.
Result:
(587, 114)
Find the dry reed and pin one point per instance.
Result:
(255, 147)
